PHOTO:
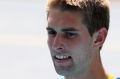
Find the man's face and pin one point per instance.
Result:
(69, 42)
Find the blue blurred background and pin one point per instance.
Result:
(23, 49)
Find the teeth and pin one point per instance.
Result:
(61, 57)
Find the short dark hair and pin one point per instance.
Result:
(95, 12)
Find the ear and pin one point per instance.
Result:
(99, 37)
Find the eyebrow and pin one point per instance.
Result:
(69, 29)
(48, 28)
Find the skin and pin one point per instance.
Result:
(68, 36)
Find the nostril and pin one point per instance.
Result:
(58, 48)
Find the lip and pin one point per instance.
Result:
(62, 62)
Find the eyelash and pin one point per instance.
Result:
(66, 34)
(71, 35)
(51, 33)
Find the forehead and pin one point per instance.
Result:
(57, 18)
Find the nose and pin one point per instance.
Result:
(58, 43)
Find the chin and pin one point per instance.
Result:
(63, 72)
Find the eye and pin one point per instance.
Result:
(51, 33)
(71, 35)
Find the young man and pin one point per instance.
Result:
(77, 30)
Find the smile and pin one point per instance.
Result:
(61, 57)
(63, 60)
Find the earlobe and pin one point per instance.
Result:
(99, 37)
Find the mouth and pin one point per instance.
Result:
(62, 60)
(62, 57)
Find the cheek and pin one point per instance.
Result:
(50, 42)
(74, 43)
(80, 48)
(81, 55)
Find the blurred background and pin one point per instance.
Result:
(23, 49)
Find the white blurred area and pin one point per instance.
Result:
(23, 41)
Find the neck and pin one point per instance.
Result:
(96, 71)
